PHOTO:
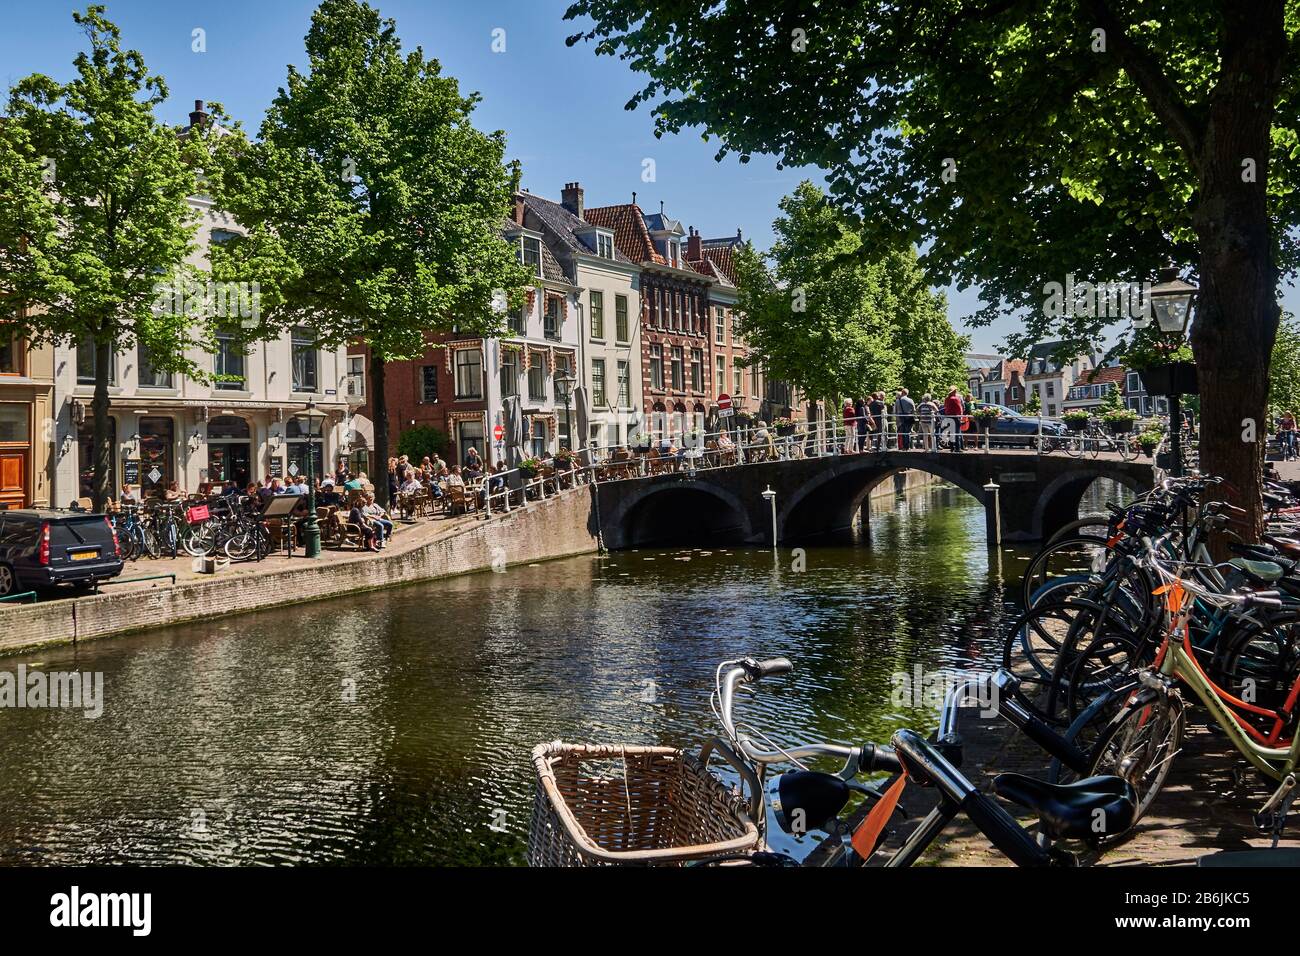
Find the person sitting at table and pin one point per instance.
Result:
(411, 485)
(369, 530)
(329, 494)
(472, 459)
(173, 492)
(380, 517)
(454, 478)
(130, 495)
(356, 482)
(497, 478)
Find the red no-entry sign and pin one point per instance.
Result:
(498, 433)
(724, 401)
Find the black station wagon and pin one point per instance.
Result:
(40, 549)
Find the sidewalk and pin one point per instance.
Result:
(407, 536)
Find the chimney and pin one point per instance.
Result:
(634, 197)
(519, 209)
(738, 237)
(694, 250)
(571, 198)
(200, 116)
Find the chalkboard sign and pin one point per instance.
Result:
(277, 467)
(131, 471)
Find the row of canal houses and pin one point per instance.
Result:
(633, 306)
(636, 307)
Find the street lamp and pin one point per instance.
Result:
(565, 382)
(770, 496)
(1172, 302)
(311, 527)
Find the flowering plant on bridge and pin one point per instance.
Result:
(1076, 420)
(783, 426)
(529, 467)
(1120, 420)
(1150, 440)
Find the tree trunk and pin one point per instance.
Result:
(100, 490)
(379, 406)
(1237, 310)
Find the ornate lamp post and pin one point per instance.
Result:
(311, 527)
(564, 381)
(1172, 302)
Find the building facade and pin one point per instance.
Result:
(1051, 379)
(247, 424)
(28, 448)
(1093, 387)
(608, 308)
(676, 342)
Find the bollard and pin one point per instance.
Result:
(993, 488)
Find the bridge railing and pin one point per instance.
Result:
(696, 450)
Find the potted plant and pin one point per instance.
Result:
(1076, 420)
(784, 426)
(985, 416)
(530, 467)
(564, 459)
(1119, 421)
(1149, 441)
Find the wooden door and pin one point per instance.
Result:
(13, 479)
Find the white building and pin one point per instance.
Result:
(608, 308)
(246, 426)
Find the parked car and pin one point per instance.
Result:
(1010, 427)
(41, 549)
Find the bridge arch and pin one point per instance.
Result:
(830, 501)
(1058, 502)
(662, 513)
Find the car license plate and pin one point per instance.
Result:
(83, 555)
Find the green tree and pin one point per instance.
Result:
(1033, 404)
(1284, 369)
(373, 206)
(818, 314)
(1026, 141)
(93, 217)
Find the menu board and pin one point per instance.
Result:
(131, 471)
(277, 467)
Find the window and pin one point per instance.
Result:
(14, 425)
(624, 385)
(720, 325)
(515, 320)
(656, 366)
(753, 381)
(1051, 389)
(11, 354)
(539, 437)
(86, 364)
(598, 382)
(531, 255)
(1051, 411)
(678, 371)
(509, 372)
(659, 308)
(720, 379)
(469, 373)
(620, 318)
(150, 377)
(1134, 385)
(356, 376)
(604, 245)
(221, 236)
(563, 369)
(305, 441)
(597, 314)
(697, 370)
(738, 375)
(469, 435)
(551, 321)
(304, 360)
(537, 378)
(228, 363)
(429, 384)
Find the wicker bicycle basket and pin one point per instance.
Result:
(640, 806)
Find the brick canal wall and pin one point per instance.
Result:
(557, 528)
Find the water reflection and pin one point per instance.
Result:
(394, 727)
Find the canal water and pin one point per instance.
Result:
(395, 727)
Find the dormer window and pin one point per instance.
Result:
(530, 254)
(604, 245)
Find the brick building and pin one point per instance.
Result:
(676, 344)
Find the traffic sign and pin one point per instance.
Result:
(724, 402)
(499, 433)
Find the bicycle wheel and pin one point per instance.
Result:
(1140, 744)
(1081, 554)
(1039, 650)
(149, 541)
(240, 546)
(1073, 446)
(197, 540)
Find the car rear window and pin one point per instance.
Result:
(73, 531)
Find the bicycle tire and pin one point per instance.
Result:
(1034, 576)
(1140, 745)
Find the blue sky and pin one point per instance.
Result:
(562, 108)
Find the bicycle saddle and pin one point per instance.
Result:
(1266, 572)
(1088, 809)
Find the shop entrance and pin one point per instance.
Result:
(230, 450)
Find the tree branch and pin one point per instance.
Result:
(1161, 93)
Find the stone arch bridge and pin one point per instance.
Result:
(1034, 495)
